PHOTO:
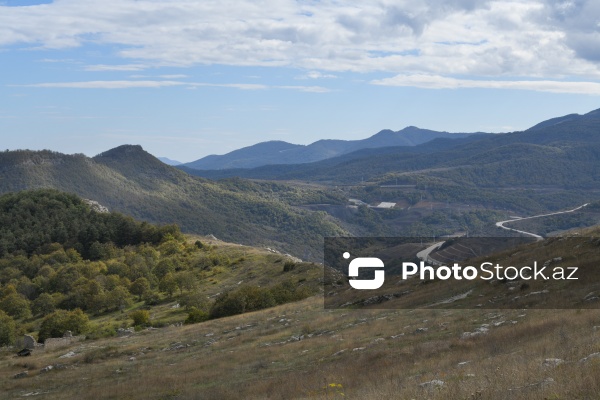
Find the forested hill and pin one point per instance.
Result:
(129, 180)
(62, 263)
(31, 221)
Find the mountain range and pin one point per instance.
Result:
(551, 166)
(559, 152)
(279, 152)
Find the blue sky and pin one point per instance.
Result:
(188, 78)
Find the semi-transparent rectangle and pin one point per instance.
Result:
(522, 272)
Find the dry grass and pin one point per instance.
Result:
(353, 354)
(392, 357)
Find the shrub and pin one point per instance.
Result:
(289, 266)
(246, 298)
(196, 315)
(140, 317)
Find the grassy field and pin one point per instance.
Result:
(300, 350)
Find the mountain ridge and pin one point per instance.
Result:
(281, 152)
(127, 179)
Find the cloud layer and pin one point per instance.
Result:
(426, 43)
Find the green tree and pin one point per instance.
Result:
(16, 306)
(168, 284)
(43, 305)
(117, 299)
(7, 329)
(60, 321)
(186, 280)
(139, 287)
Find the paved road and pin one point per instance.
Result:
(424, 254)
(538, 237)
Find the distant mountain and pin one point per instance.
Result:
(279, 152)
(130, 180)
(168, 161)
(561, 154)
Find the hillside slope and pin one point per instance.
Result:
(129, 180)
(299, 350)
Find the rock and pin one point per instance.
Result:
(24, 353)
(358, 348)
(590, 357)
(29, 342)
(463, 363)
(420, 330)
(68, 334)
(131, 359)
(552, 362)
(125, 332)
(47, 369)
(436, 383)
(68, 355)
(21, 375)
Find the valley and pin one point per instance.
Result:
(211, 284)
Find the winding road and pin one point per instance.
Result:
(500, 224)
(424, 254)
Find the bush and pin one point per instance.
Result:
(60, 321)
(195, 316)
(140, 317)
(7, 329)
(150, 298)
(245, 299)
(289, 266)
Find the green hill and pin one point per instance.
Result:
(129, 180)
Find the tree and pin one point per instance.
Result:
(140, 317)
(185, 280)
(168, 284)
(60, 321)
(117, 299)
(139, 287)
(7, 329)
(43, 305)
(16, 306)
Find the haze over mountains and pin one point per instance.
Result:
(279, 152)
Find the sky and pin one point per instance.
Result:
(189, 78)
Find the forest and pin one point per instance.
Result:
(63, 264)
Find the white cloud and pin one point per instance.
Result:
(123, 67)
(487, 39)
(441, 82)
(126, 84)
(106, 84)
(316, 75)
